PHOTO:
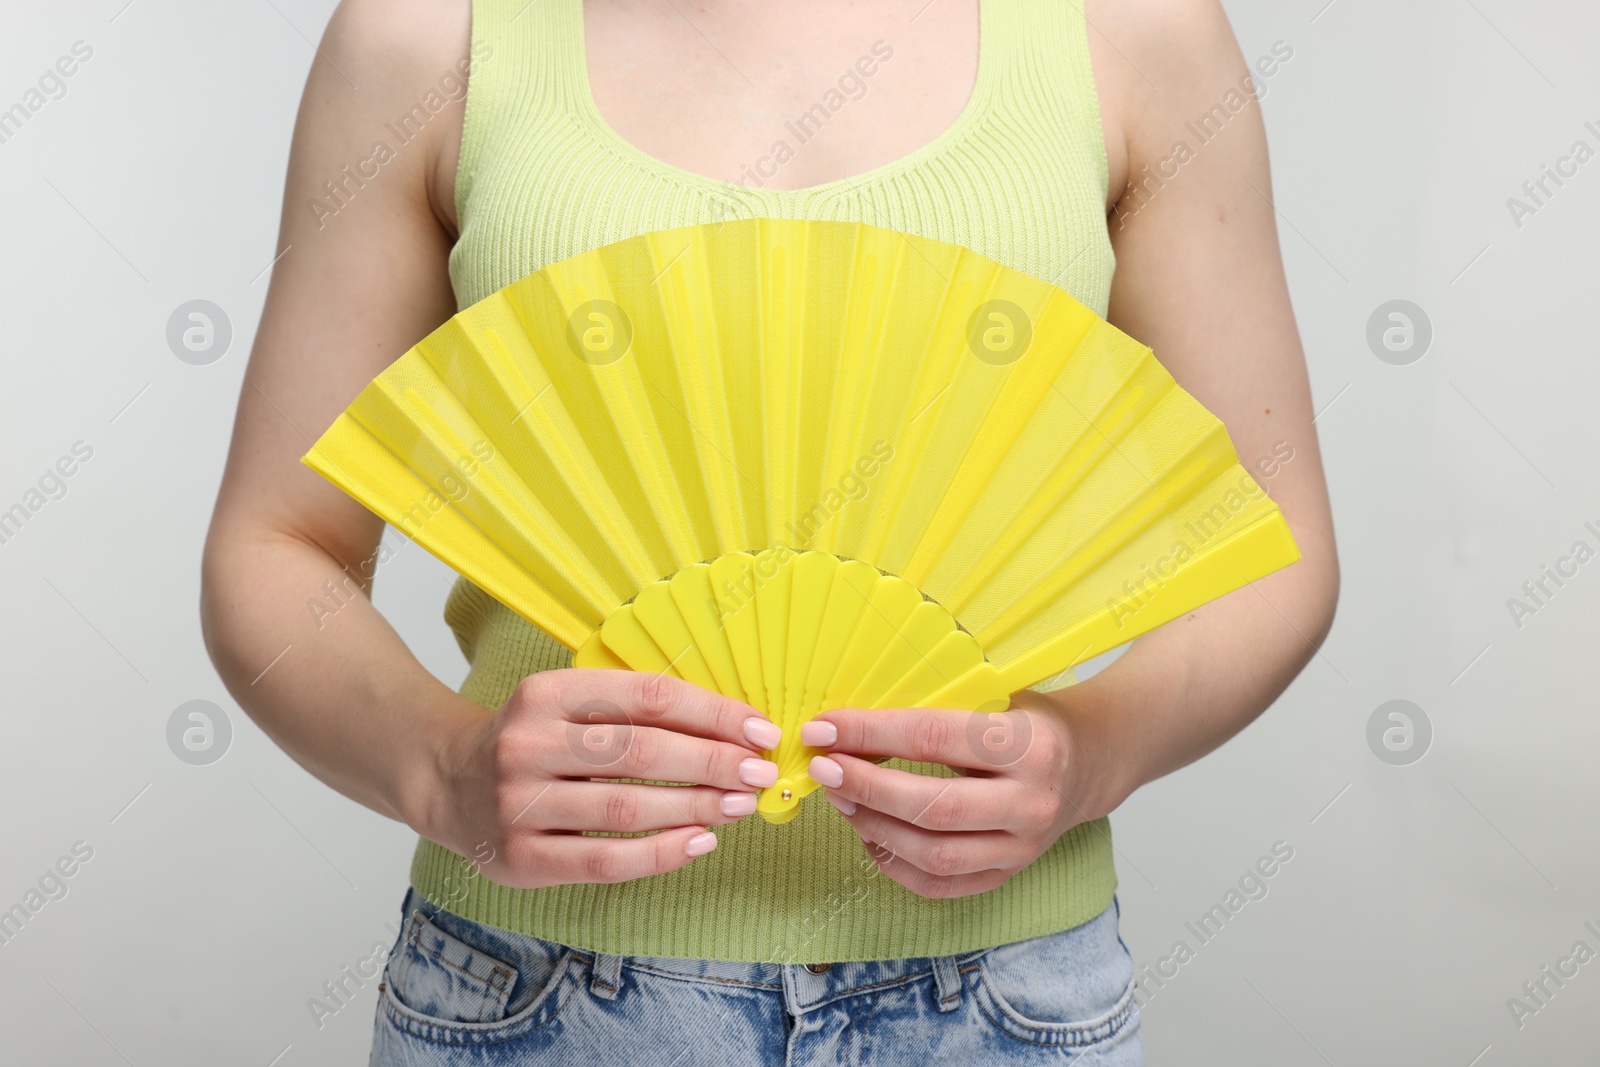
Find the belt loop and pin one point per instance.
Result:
(946, 983)
(607, 976)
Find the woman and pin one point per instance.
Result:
(922, 917)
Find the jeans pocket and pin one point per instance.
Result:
(455, 981)
(438, 975)
(1073, 989)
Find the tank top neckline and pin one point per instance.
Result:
(608, 137)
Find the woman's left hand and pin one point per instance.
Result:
(1027, 777)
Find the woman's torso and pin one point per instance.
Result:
(1003, 153)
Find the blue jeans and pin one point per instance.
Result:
(457, 992)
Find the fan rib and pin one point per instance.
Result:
(1092, 444)
(436, 450)
(1182, 481)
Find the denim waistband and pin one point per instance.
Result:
(803, 986)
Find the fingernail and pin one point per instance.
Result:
(700, 844)
(758, 772)
(736, 804)
(818, 734)
(846, 806)
(762, 732)
(826, 771)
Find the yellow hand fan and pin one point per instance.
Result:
(809, 465)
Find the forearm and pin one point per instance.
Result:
(1183, 690)
(339, 692)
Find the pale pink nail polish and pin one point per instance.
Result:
(762, 732)
(737, 804)
(758, 772)
(700, 844)
(826, 771)
(818, 734)
(848, 807)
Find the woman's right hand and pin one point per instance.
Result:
(518, 787)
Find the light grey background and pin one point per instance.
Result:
(1420, 898)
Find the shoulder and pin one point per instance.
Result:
(396, 39)
(1177, 38)
(395, 72)
(1158, 63)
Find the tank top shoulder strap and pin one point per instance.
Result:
(1044, 76)
(527, 62)
(537, 44)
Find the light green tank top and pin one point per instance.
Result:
(1019, 177)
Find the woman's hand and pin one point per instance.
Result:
(1027, 779)
(516, 789)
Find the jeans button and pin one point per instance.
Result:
(819, 968)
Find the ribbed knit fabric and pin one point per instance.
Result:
(1019, 177)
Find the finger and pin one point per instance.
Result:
(979, 741)
(647, 699)
(933, 886)
(626, 808)
(576, 858)
(656, 755)
(945, 855)
(993, 803)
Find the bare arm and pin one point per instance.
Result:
(1199, 279)
(353, 290)
(341, 693)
